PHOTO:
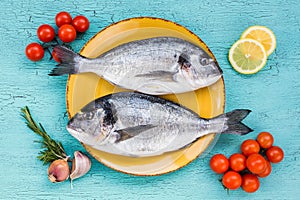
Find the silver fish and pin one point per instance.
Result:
(140, 125)
(161, 65)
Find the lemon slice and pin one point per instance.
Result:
(263, 35)
(247, 56)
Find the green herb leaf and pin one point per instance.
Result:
(53, 149)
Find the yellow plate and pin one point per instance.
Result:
(83, 88)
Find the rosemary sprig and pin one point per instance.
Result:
(53, 149)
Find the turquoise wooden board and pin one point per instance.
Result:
(273, 94)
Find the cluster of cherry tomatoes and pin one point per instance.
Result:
(67, 32)
(243, 169)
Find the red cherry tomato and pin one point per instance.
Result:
(63, 18)
(34, 52)
(237, 162)
(232, 180)
(250, 183)
(46, 33)
(81, 23)
(219, 163)
(266, 172)
(249, 147)
(67, 33)
(265, 140)
(256, 163)
(275, 154)
(55, 57)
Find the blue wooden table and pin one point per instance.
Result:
(273, 94)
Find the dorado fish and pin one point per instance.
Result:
(161, 65)
(140, 125)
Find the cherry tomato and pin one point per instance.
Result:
(34, 51)
(46, 33)
(55, 57)
(266, 172)
(219, 163)
(275, 154)
(237, 162)
(67, 33)
(265, 140)
(81, 23)
(256, 163)
(250, 183)
(249, 147)
(232, 180)
(63, 18)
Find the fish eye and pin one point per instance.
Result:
(203, 61)
(80, 115)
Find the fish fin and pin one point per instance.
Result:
(62, 69)
(233, 122)
(130, 132)
(159, 74)
(68, 61)
(123, 136)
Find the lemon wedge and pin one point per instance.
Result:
(247, 56)
(263, 35)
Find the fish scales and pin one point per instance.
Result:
(139, 57)
(160, 65)
(138, 125)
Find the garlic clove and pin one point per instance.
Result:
(58, 171)
(81, 164)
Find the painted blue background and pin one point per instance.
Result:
(273, 94)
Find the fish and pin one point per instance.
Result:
(156, 66)
(139, 125)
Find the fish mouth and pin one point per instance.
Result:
(72, 131)
(76, 133)
(83, 137)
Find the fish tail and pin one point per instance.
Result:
(233, 122)
(68, 61)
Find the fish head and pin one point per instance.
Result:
(200, 70)
(91, 126)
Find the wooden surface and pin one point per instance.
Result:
(273, 94)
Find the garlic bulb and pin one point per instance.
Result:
(81, 164)
(58, 171)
